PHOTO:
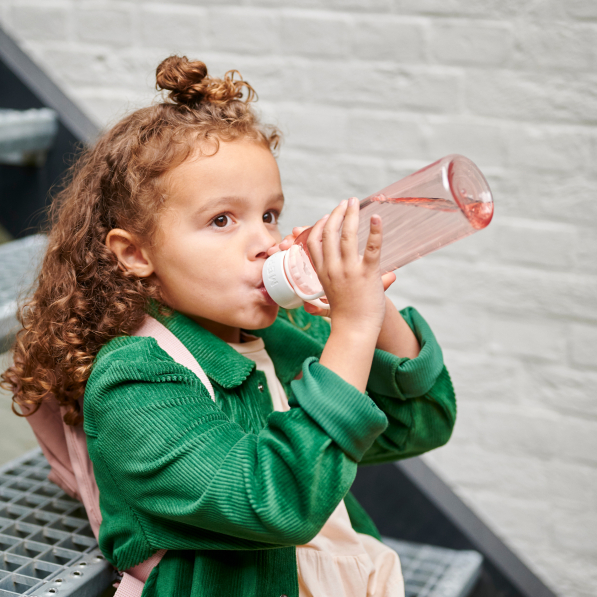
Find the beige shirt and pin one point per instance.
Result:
(338, 561)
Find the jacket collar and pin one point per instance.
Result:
(221, 362)
(287, 345)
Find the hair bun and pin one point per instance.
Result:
(189, 84)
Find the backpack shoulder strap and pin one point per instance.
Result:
(47, 425)
(87, 489)
(170, 344)
(133, 579)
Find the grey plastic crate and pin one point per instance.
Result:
(431, 571)
(46, 544)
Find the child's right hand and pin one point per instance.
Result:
(352, 284)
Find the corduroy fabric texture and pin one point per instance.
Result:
(231, 488)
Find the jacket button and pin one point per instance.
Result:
(283, 595)
(260, 388)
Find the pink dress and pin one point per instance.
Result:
(338, 561)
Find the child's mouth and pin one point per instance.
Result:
(268, 299)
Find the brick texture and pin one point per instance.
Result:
(367, 91)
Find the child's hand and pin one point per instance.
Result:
(387, 280)
(352, 284)
(288, 240)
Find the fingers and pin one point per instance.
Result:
(387, 280)
(348, 236)
(373, 248)
(329, 239)
(314, 242)
(288, 240)
(314, 310)
(281, 246)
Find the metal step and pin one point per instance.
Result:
(46, 544)
(19, 261)
(47, 547)
(26, 136)
(431, 571)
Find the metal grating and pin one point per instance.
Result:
(431, 571)
(46, 544)
(19, 260)
(26, 135)
(47, 547)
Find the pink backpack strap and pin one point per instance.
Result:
(76, 442)
(129, 586)
(169, 343)
(46, 424)
(142, 571)
(133, 580)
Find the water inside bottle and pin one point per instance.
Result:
(413, 227)
(416, 226)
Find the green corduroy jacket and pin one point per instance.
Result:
(231, 488)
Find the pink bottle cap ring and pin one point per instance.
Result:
(301, 274)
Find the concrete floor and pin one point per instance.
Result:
(16, 436)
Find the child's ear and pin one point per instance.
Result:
(129, 252)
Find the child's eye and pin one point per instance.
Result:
(271, 217)
(221, 221)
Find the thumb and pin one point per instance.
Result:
(315, 310)
(388, 279)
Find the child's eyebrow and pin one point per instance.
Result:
(234, 200)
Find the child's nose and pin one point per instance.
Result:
(262, 243)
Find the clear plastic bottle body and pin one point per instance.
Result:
(434, 207)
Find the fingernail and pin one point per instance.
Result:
(376, 220)
(352, 201)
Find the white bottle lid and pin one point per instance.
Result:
(276, 283)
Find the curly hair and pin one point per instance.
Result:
(83, 297)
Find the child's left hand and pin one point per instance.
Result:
(288, 241)
(387, 279)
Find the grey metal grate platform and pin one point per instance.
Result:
(47, 547)
(46, 544)
(431, 571)
(26, 135)
(18, 265)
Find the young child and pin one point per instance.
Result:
(173, 213)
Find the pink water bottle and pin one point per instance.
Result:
(432, 208)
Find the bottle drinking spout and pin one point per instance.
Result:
(434, 207)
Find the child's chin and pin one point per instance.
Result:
(266, 317)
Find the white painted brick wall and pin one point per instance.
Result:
(368, 91)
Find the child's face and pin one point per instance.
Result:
(221, 217)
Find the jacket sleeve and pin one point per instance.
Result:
(415, 394)
(181, 463)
